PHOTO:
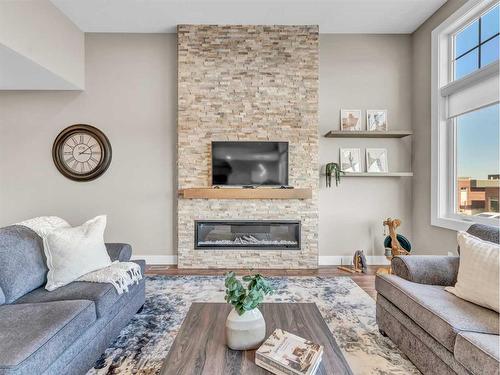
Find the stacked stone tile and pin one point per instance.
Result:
(247, 83)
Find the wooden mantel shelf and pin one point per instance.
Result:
(240, 193)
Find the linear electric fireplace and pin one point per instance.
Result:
(262, 234)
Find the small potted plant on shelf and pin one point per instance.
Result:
(333, 169)
(245, 325)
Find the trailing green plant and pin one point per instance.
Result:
(333, 169)
(246, 299)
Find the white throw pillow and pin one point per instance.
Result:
(73, 252)
(478, 272)
(43, 225)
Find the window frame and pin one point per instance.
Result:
(443, 132)
(478, 17)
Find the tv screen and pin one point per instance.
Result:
(249, 163)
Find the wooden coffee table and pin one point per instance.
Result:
(200, 348)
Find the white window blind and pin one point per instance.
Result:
(479, 90)
(480, 95)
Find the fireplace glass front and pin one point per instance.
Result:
(262, 234)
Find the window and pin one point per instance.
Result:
(466, 118)
(477, 162)
(476, 45)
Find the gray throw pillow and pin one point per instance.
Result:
(22, 262)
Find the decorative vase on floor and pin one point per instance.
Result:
(247, 331)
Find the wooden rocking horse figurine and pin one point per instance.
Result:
(393, 224)
(396, 248)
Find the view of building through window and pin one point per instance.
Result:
(477, 45)
(477, 162)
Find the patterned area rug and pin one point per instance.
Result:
(346, 308)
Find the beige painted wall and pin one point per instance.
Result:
(364, 72)
(427, 239)
(130, 95)
(39, 32)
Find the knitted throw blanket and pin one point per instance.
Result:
(119, 274)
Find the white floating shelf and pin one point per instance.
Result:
(368, 134)
(374, 174)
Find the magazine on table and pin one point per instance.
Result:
(284, 353)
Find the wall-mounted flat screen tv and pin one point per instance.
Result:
(249, 163)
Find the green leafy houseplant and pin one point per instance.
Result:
(333, 169)
(246, 299)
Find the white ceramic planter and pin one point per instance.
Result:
(245, 331)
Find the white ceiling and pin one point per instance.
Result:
(333, 16)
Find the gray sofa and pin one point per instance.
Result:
(440, 333)
(60, 332)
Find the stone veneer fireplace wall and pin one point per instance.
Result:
(247, 83)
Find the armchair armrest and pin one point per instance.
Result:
(427, 269)
(119, 251)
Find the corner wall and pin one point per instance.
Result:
(364, 72)
(428, 239)
(41, 48)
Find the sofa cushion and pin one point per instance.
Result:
(485, 232)
(104, 295)
(22, 262)
(438, 312)
(2, 297)
(32, 336)
(478, 352)
(479, 267)
(119, 251)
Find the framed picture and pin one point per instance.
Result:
(350, 119)
(376, 160)
(350, 159)
(376, 120)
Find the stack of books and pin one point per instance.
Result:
(284, 353)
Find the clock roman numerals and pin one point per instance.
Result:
(81, 153)
(81, 166)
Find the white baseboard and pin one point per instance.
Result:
(157, 259)
(335, 260)
(327, 260)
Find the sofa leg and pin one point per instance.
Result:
(140, 309)
(382, 332)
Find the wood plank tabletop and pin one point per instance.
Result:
(200, 347)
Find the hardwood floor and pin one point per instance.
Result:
(365, 280)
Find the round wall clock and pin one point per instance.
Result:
(81, 152)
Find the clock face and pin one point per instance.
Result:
(81, 152)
